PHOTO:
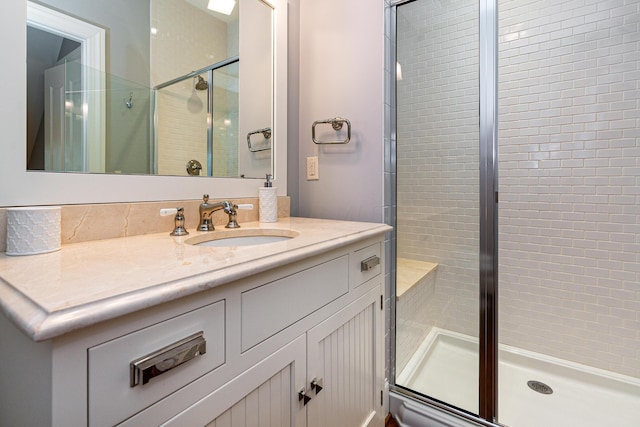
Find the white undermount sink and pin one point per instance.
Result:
(241, 237)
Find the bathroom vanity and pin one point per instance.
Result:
(152, 330)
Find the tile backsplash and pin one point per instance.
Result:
(81, 223)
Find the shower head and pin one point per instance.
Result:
(201, 84)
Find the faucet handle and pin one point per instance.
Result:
(230, 209)
(178, 229)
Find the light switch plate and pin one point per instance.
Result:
(312, 169)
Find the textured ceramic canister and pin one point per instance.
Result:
(268, 204)
(33, 230)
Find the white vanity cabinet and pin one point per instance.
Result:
(326, 377)
(297, 345)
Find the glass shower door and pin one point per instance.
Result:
(569, 182)
(438, 200)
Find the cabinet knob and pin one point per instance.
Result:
(302, 396)
(316, 384)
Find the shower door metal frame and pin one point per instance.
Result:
(488, 338)
(488, 239)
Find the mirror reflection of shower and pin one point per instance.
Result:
(199, 132)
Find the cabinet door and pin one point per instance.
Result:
(265, 395)
(345, 358)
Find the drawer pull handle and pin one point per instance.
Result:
(369, 263)
(167, 358)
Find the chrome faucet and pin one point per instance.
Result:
(207, 209)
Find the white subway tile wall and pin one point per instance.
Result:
(569, 128)
(437, 152)
(182, 128)
(415, 310)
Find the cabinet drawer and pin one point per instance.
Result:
(112, 398)
(365, 264)
(270, 308)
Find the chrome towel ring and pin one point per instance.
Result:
(336, 123)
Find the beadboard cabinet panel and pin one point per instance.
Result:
(343, 358)
(271, 402)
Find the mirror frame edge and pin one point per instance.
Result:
(49, 188)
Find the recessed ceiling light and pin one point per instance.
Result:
(222, 6)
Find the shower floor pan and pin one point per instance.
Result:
(445, 367)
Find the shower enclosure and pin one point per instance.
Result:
(515, 126)
(207, 129)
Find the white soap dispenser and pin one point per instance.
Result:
(268, 201)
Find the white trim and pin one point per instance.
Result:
(280, 95)
(92, 40)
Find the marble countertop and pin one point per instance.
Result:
(85, 283)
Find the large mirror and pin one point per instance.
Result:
(22, 187)
(151, 87)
